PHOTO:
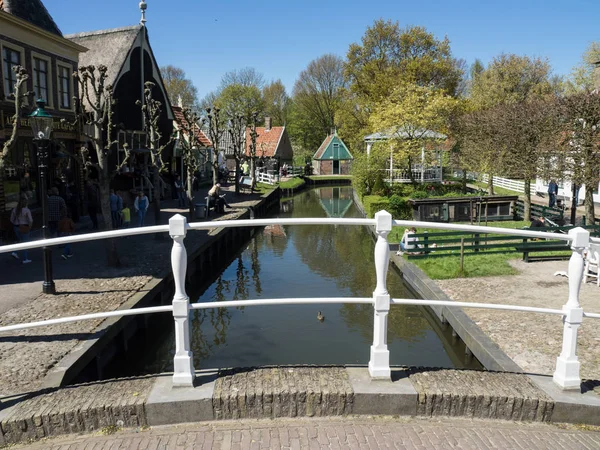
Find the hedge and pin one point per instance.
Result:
(374, 203)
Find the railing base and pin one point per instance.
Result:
(566, 375)
(379, 365)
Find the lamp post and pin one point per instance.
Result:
(41, 124)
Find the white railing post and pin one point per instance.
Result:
(379, 364)
(566, 374)
(183, 362)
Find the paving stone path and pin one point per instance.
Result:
(533, 341)
(349, 433)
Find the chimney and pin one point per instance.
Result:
(267, 123)
(596, 76)
(180, 101)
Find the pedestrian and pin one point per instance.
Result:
(215, 198)
(66, 227)
(141, 206)
(116, 206)
(246, 168)
(180, 192)
(126, 216)
(57, 209)
(22, 221)
(93, 202)
(552, 192)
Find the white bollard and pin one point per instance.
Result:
(183, 372)
(379, 364)
(566, 375)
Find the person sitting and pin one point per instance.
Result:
(216, 199)
(540, 222)
(408, 241)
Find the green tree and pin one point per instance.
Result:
(580, 143)
(277, 102)
(511, 78)
(317, 98)
(178, 85)
(239, 100)
(368, 170)
(415, 116)
(388, 55)
(582, 76)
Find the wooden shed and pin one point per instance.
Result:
(333, 157)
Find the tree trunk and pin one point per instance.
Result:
(410, 172)
(252, 173)
(491, 184)
(112, 255)
(156, 207)
(464, 181)
(589, 206)
(190, 192)
(573, 203)
(237, 178)
(527, 200)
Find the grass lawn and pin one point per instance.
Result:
(474, 266)
(481, 265)
(292, 183)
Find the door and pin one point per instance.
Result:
(336, 167)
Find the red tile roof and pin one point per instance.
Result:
(200, 136)
(266, 141)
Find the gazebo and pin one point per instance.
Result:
(422, 172)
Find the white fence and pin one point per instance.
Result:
(268, 177)
(431, 175)
(507, 183)
(566, 374)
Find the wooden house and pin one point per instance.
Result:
(332, 157)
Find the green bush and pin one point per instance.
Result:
(400, 208)
(374, 203)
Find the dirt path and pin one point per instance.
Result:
(533, 341)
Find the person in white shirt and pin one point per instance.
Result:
(22, 221)
(409, 242)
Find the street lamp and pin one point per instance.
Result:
(41, 124)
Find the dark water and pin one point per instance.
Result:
(308, 261)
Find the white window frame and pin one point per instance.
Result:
(49, 77)
(63, 65)
(15, 48)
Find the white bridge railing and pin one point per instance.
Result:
(266, 177)
(430, 175)
(566, 374)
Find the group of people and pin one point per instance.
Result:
(121, 213)
(60, 222)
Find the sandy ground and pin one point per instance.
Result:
(533, 341)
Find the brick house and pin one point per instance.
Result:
(273, 145)
(29, 37)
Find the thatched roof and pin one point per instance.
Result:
(33, 11)
(107, 47)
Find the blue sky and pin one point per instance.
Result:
(279, 39)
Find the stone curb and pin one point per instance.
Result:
(292, 391)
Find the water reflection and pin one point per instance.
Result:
(307, 261)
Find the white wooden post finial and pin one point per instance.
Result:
(183, 362)
(379, 364)
(566, 374)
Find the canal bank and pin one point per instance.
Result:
(118, 336)
(487, 352)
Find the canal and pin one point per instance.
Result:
(304, 261)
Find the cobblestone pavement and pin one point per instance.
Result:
(348, 433)
(533, 341)
(85, 285)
